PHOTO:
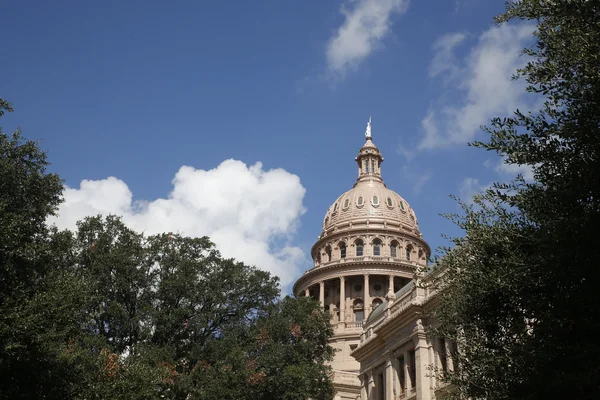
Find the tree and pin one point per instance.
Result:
(37, 303)
(108, 313)
(167, 317)
(519, 293)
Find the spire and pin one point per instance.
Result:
(368, 131)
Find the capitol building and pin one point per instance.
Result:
(369, 262)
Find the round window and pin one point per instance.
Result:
(357, 288)
(377, 287)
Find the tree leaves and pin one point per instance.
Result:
(520, 289)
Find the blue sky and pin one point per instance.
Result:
(140, 104)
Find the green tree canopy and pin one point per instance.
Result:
(520, 290)
(108, 313)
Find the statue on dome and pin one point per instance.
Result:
(368, 131)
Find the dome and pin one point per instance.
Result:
(372, 200)
(370, 204)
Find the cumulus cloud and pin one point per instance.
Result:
(248, 212)
(469, 187)
(479, 86)
(366, 24)
(511, 170)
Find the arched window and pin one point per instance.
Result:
(346, 203)
(389, 202)
(359, 313)
(335, 207)
(375, 201)
(377, 247)
(394, 249)
(360, 200)
(342, 246)
(372, 166)
(408, 251)
(376, 303)
(359, 248)
(402, 205)
(366, 168)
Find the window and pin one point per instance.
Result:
(412, 370)
(359, 315)
(359, 248)
(328, 251)
(346, 203)
(389, 202)
(366, 168)
(442, 354)
(376, 248)
(342, 250)
(376, 303)
(360, 201)
(372, 166)
(335, 207)
(394, 250)
(402, 205)
(408, 251)
(401, 377)
(375, 201)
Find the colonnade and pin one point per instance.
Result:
(351, 294)
(406, 371)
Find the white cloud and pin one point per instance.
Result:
(444, 60)
(249, 213)
(416, 179)
(479, 86)
(366, 24)
(470, 187)
(512, 170)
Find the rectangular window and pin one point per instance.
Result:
(343, 252)
(412, 370)
(380, 386)
(442, 354)
(401, 376)
(359, 315)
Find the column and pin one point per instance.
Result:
(322, 293)
(363, 386)
(389, 377)
(306, 292)
(370, 385)
(421, 364)
(342, 300)
(391, 284)
(366, 290)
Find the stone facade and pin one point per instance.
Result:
(365, 262)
